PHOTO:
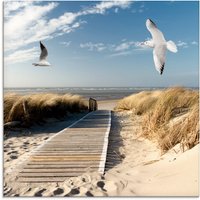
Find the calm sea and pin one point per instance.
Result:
(99, 93)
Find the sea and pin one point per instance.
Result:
(98, 93)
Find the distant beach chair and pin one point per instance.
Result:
(92, 105)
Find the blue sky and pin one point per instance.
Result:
(96, 43)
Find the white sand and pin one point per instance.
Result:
(142, 172)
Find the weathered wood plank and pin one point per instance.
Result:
(40, 180)
(86, 162)
(51, 174)
(56, 170)
(61, 167)
(63, 158)
(67, 157)
(67, 154)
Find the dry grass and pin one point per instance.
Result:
(37, 107)
(139, 103)
(169, 117)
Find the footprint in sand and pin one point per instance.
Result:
(46, 138)
(89, 194)
(58, 191)
(25, 143)
(10, 142)
(101, 185)
(11, 152)
(6, 190)
(73, 192)
(13, 157)
(39, 193)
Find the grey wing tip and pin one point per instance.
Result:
(152, 22)
(42, 46)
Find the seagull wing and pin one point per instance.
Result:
(159, 57)
(156, 34)
(171, 46)
(44, 52)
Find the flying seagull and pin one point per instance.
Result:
(44, 53)
(159, 45)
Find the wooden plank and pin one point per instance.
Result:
(91, 143)
(86, 162)
(67, 154)
(67, 157)
(52, 174)
(61, 167)
(73, 145)
(75, 149)
(40, 180)
(57, 170)
(63, 159)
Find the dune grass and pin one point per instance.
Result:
(139, 103)
(169, 117)
(34, 108)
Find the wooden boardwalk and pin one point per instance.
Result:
(71, 152)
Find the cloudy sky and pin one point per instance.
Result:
(96, 43)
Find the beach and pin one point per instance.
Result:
(141, 171)
(97, 108)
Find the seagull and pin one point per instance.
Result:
(159, 45)
(44, 53)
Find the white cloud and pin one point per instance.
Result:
(13, 6)
(123, 53)
(182, 44)
(194, 43)
(66, 44)
(116, 10)
(27, 22)
(26, 26)
(121, 49)
(101, 7)
(21, 56)
(142, 8)
(93, 46)
(124, 46)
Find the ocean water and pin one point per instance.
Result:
(98, 93)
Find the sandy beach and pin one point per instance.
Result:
(140, 169)
(100, 98)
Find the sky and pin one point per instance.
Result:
(96, 44)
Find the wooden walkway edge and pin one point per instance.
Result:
(79, 148)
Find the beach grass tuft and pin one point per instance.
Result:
(169, 117)
(34, 108)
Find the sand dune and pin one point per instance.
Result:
(142, 170)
